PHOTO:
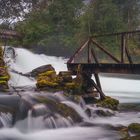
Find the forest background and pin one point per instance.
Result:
(58, 27)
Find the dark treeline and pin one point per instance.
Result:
(57, 27)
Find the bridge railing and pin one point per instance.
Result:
(121, 48)
(9, 34)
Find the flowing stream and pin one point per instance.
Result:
(59, 127)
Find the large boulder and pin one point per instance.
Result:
(50, 81)
(41, 69)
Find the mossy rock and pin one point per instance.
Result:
(1, 51)
(43, 83)
(41, 69)
(3, 85)
(5, 78)
(109, 102)
(134, 128)
(132, 138)
(2, 63)
(60, 108)
(71, 85)
(50, 74)
(104, 113)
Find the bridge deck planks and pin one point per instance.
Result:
(105, 68)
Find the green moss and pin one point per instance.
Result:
(6, 78)
(60, 108)
(47, 73)
(71, 85)
(44, 82)
(109, 102)
(3, 82)
(132, 138)
(134, 128)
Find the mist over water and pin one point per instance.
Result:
(125, 90)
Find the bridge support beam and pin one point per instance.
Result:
(88, 82)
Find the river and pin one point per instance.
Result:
(93, 128)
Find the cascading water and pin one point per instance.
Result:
(6, 119)
(41, 120)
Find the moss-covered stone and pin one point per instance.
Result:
(51, 74)
(62, 81)
(109, 102)
(60, 108)
(134, 128)
(1, 51)
(132, 138)
(4, 76)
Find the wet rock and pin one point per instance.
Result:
(132, 138)
(134, 128)
(51, 82)
(47, 79)
(61, 109)
(109, 102)
(104, 113)
(65, 76)
(41, 69)
(4, 76)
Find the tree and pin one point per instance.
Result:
(130, 12)
(52, 25)
(102, 17)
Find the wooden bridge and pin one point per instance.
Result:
(122, 65)
(6, 35)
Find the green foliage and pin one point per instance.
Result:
(65, 24)
(102, 17)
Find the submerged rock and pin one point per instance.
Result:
(60, 108)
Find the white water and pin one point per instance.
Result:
(124, 89)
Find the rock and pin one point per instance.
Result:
(104, 113)
(47, 79)
(132, 138)
(65, 76)
(52, 82)
(41, 69)
(4, 76)
(2, 63)
(61, 109)
(134, 128)
(108, 102)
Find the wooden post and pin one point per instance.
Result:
(102, 95)
(89, 52)
(78, 51)
(123, 48)
(128, 56)
(94, 56)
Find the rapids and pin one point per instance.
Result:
(60, 128)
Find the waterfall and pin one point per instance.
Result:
(40, 120)
(6, 119)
